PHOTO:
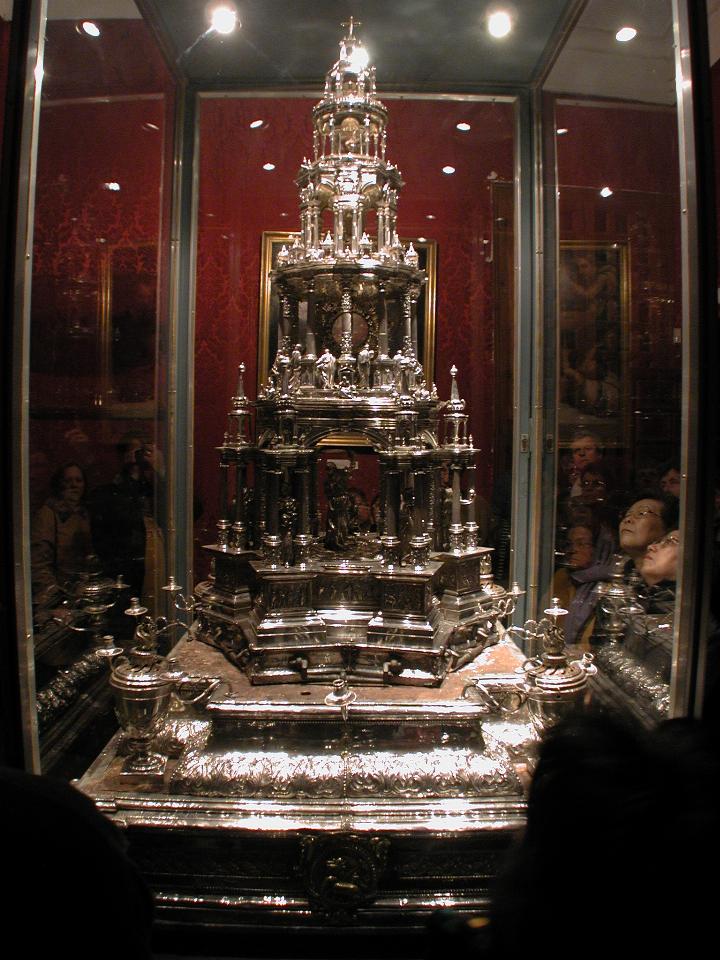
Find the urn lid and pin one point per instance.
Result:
(143, 669)
(94, 586)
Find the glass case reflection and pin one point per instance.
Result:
(97, 364)
(619, 355)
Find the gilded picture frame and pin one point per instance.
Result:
(594, 341)
(128, 327)
(272, 243)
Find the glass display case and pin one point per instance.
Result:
(358, 429)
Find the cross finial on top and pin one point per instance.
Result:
(351, 24)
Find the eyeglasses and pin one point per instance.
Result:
(639, 514)
(666, 542)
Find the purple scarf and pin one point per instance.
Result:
(582, 606)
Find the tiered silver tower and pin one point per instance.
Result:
(298, 593)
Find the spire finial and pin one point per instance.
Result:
(240, 392)
(351, 24)
(456, 404)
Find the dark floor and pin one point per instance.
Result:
(340, 944)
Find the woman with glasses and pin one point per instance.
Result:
(648, 637)
(647, 520)
(588, 551)
(658, 569)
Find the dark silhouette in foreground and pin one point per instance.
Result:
(619, 852)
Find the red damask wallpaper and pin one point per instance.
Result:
(102, 198)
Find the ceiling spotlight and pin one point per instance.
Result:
(111, 185)
(499, 24)
(268, 166)
(90, 28)
(561, 130)
(150, 126)
(256, 123)
(448, 169)
(430, 216)
(606, 192)
(464, 127)
(422, 239)
(224, 19)
(625, 34)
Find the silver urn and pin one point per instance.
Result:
(143, 685)
(554, 686)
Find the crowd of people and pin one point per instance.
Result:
(114, 527)
(599, 521)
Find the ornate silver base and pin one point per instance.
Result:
(306, 812)
(373, 623)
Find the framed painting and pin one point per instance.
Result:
(128, 325)
(594, 339)
(272, 243)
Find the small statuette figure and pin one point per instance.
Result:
(296, 250)
(399, 362)
(328, 244)
(284, 375)
(411, 256)
(365, 358)
(341, 508)
(295, 368)
(326, 369)
(365, 245)
(288, 517)
(284, 255)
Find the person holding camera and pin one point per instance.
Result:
(126, 519)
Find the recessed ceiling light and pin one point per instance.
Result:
(90, 28)
(283, 214)
(268, 166)
(561, 130)
(256, 123)
(430, 216)
(499, 24)
(463, 126)
(422, 239)
(150, 126)
(625, 34)
(111, 185)
(224, 19)
(448, 169)
(606, 192)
